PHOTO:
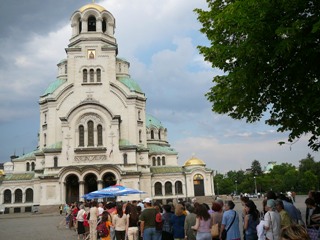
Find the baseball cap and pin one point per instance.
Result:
(271, 203)
(147, 200)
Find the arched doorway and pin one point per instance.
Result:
(90, 183)
(198, 185)
(72, 188)
(109, 179)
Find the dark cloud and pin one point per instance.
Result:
(35, 15)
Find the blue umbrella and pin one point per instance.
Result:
(112, 191)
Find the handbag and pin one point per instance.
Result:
(215, 230)
(225, 231)
(224, 234)
(313, 233)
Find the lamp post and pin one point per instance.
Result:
(218, 188)
(255, 184)
(236, 186)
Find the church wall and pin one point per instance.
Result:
(20, 166)
(171, 160)
(49, 192)
(146, 185)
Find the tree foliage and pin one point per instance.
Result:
(256, 168)
(282, 178)
(269, 51)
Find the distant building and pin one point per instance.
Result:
(95, 131)
(269, 167)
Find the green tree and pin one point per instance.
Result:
(291, 180)
(256, 168)
(307, 164)
(269, 51)
(308, 181)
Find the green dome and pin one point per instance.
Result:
(131, 84)
(53, 86)
(152, 121)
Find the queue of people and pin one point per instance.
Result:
(148, 220)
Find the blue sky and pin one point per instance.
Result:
(159, 39)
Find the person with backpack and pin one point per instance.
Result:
(148, 221)
(103, 228)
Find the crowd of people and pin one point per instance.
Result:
(148, 220)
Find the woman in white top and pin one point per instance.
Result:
(119, 221)
(80, 227)
(272, 220)
(93, 220)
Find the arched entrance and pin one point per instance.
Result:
(109, 179)
(198, 185)
(72, 189)
(90, 183)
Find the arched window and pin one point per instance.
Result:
(104, 26)
(18, 196)
(152, 134)
(33, 166)
(7, 196)
(98, 75)
(139, 115)
(140, 136)
(119, 67)
(91, 75)
(28, 167)
(154, 163)
(158, 189)
(99, 129)
(90, 134)
(197, 178)
(168, 188)
(81, 136)
(125, 159)
(85, 75)
(163, 161)
(80, 25)
(178, 187)
(44, 140)
(91, 24)
(158, 161)
(159, 134)
(29, 195)
(55, 161)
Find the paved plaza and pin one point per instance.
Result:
(17, 226)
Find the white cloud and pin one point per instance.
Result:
(236, 156)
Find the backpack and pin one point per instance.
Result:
(159, 222)
(103, 230)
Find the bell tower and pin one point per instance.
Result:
(92, 21)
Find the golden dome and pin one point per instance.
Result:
(92, 5)
(194, 162)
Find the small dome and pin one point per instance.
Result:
(194, 162)
(151, 121)
(92, 5)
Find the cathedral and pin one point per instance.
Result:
(95, 132)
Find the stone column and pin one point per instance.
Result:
(84, 26)
(81, 189)
(99, 24)
(100, 184)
